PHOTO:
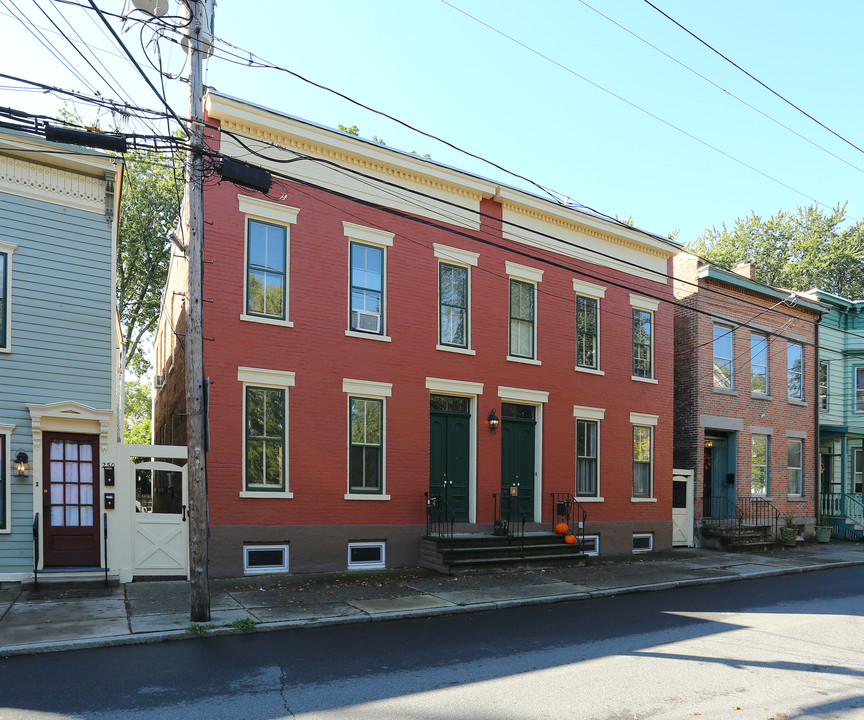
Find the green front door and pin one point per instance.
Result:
(449, 449)
(518, 430)
(722, 478)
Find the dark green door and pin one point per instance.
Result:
(449, 433)
(722, 480)
(518, 430)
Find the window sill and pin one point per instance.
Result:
(590, 371)
(643, 500)
(652, 381)
(526, 361)
(368, 336)
(460, 351)
(266, 320)
(5, 349)
(588, 499)
(724, 391)
(276, 494)
(760, 396)
(796, 401)
(362, 496)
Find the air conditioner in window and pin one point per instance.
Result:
(365, 321)
(158, 381)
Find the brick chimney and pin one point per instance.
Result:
(746, 268)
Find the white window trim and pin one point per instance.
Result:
(800, 468)
(280, 380)
(270, 212)
(533, 276)
(376, 238)
(8, 248)
(6, 432)
(855, 388)
(596, 551)
(582, 412)
(650, 547)
(643, 419)
(643, 303)
(728, 332)
(443, 386)
(598, 293)
(372, 390)
(521, 395)
(267, 569)
(767, 366)
(461, 258)
(795, 399)
(368, 566)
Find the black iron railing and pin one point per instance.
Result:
(509, 517)
(440, 517)
(755, 511)
(36, 551)
(721, 511)
(566, 509)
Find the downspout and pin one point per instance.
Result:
(817, 459)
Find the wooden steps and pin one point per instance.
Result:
(477, 552)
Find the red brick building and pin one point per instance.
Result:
(746, 411)
(373, 313)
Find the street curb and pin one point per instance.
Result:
(174, 635)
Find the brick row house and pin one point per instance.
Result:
(384, 327)
(746, 395)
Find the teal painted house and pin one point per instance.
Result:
(59, 353)
(841, 415)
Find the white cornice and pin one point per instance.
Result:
(51, 184)
(79, 160)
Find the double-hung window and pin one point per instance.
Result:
(5, 435)
(859, 390)
(523, 311)
(267, 260)
(6, 250)
(796, 466)
(643, 310)
(588, 296)
(454, 297)
(759, 363)
(759, 465)
(265, 438)
(643, 455)
(367, 423)
(857, 470)
(824, 369)
(723, 377)
(368, 279)
(586, 458)
(795, 365)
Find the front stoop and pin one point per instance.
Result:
(744, 539)
(479, 552)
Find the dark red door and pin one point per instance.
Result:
(70, 493)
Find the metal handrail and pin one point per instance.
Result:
(721, 511)
(36, 551)
(566, 508)
(508, 514)
(758, 511)
(440, 517)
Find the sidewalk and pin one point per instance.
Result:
(49, 620)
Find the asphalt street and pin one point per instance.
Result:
(782, 647)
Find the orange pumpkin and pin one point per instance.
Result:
(570, 539)
(562, 529)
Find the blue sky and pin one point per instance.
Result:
(432, 66)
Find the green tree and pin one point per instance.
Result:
(796, 250)
(137, 417)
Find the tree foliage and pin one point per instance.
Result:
(149, 210)
(137, 416)
(796, 250)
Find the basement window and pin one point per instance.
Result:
(259, 559)
(643, 542)
(591, 545)
(363, 556)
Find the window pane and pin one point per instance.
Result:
(56, 450)
(586, 332)
(759, 465)
(71, 516)
(274, 413)
(85, 471)
(71, 450)
(722, 356)
(86, 451)
(795, 363)
(87, 516)
(58, 517)
(273, 463)
(254, 462)
(254, 412)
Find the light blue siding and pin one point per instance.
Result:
(62, 315)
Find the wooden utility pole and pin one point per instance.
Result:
(193, 221)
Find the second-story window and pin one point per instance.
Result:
(266, 279)
(859, 390)
(367, 288)
(823, 385)
(4, 261)
(522, 296)
(642, 343)
(795, 365)
(453, 296)
(759, 364)
(723, 357)
(587, 324)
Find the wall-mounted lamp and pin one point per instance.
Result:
(493, 420)
(21, 465)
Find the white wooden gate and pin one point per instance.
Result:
(682, 508)
(160, 542)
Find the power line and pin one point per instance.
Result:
(754, 78)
